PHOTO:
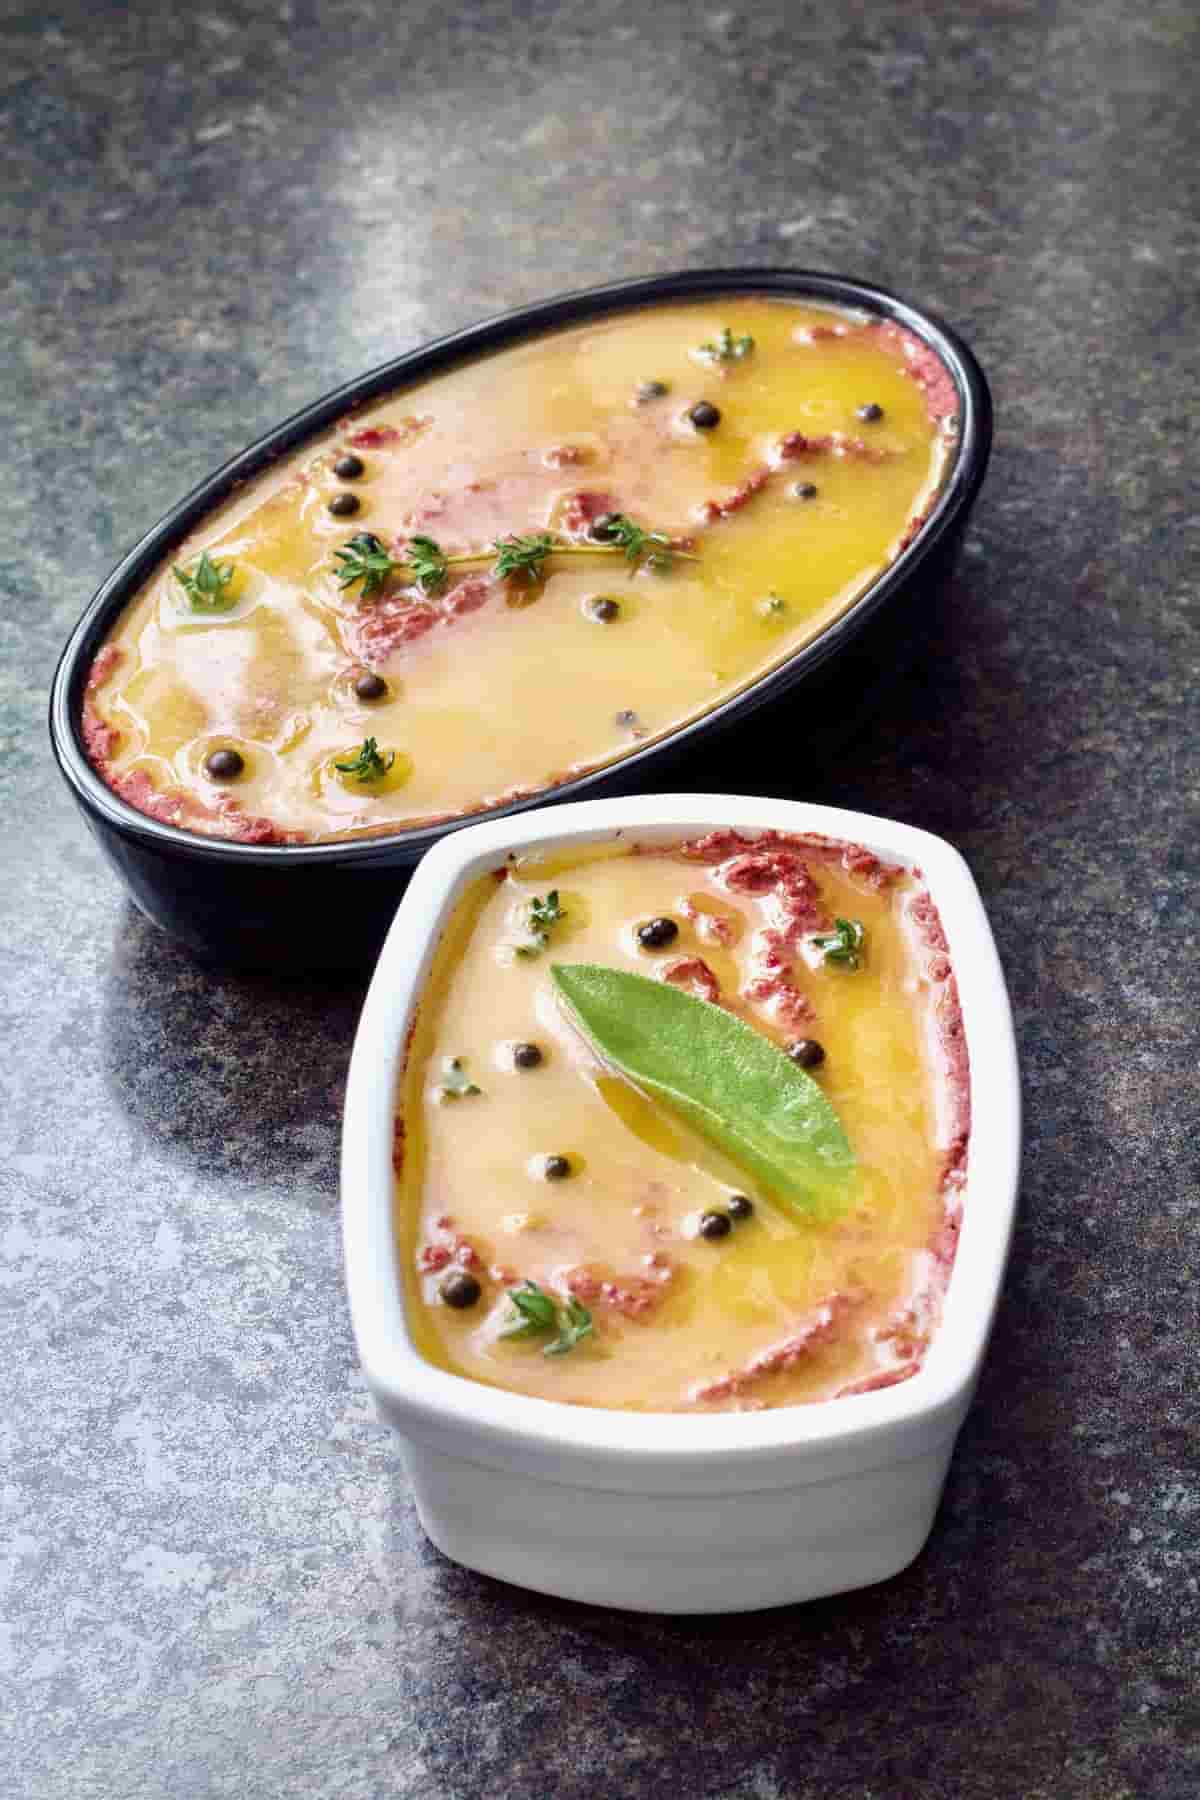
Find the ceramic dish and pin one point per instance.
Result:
(672, 1512)
(271, 904)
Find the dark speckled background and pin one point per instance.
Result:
(213, 1583)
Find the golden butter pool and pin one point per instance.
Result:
(520, 569)
(565, 1232)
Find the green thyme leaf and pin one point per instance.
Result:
(455, 1082)
(428, 563)
(524, 556)
(543, 915)
(363, 558)
(846, 947)
(638, 545)
(574, 1326)
(726, 1080)
(727, 347)
(368, 764)
(534, 1311)
(205, 585)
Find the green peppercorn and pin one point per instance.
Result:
(460, 1289)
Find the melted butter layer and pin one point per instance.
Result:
(526, 688)
(640, 1177)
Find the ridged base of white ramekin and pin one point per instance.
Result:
(681, 1553)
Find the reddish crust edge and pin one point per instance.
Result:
(924, 366)
(920, 361)
(225, 818)
(718, 846)
(917, 1323)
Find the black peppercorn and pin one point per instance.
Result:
(807, 1053)
(224, 765)
(370, 686)
(651, 390)
(871, 413)
(526, 1056)
(804, 490)
(604, 609)
(556, 1168)
(343, 505)
(714, 1225)
(603, 526)
(656, 934)
(460, 1289)
(349, 467)
(739, 1206)
(704, 415)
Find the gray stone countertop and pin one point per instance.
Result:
(213, 1580)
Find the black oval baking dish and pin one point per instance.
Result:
(269, 906)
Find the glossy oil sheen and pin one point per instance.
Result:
(526, 691)
(640, 1178)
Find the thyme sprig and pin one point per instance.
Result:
(205, 585)
(363, 558)
(368, 764)
(535, 1311)
(574, 1325)
(543, 916)
(428, 562)
(524, 556)
(638, 545)
(846, 947)
(727, 347)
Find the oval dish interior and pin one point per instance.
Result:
(365, 686)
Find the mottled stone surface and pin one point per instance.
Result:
(213, 1580)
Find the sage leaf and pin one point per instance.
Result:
(731, 1084)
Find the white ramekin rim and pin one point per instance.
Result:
(494, 1425)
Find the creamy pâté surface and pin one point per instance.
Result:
(776, 1311)
(499, 687)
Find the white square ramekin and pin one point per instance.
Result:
(669, 1512)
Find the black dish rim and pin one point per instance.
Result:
(406, 846)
